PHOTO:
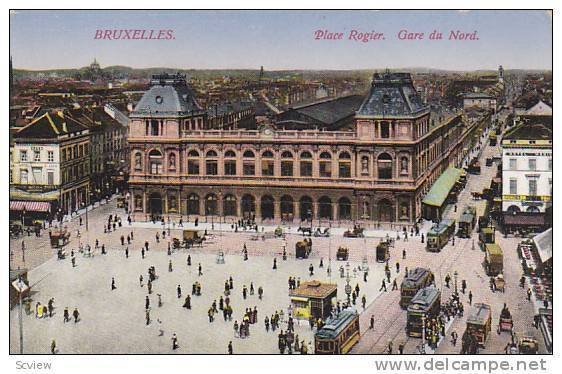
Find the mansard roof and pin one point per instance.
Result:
(392, 95)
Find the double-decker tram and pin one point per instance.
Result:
(415, 280)
(424, 306)
(339, 334)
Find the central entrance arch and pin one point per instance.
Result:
(267, 207)
(248, 206)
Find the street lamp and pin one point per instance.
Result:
(347, 285)
(456, 274)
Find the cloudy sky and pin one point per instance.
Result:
(282, 39)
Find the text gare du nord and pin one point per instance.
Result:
(365, 37)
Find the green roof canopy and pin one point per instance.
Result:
(442, 186)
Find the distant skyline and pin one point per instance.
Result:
(282, 40)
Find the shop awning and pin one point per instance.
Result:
(524, 220)
(30, 206)
(442, 187)
(543, 242)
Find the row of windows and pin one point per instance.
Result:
(325, 165)
(36, 176)
(36, 156)
(76, 151)
(531, 163)
(532, 184)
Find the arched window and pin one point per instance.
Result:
(344, 165)
(211, 205)
(325, 208)
(513, 209)
(193, 204)
(155, 158)
(248, 206)
(533, 209)
(229, 205)
(325, 165)
(286, 164)
(230, 163)
(287, 154)
(249, 164)
(193, 162)
(267, 164)
(267, 154)
(386, 211)
(211, 163)
(267, 207)
(305, 208)
(287, 208)
(384, 163)
(344, 209)
(306, 164)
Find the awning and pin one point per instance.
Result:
(442, 187)
(30, 206)
(297, 298)
(543, 242)
(524, 220)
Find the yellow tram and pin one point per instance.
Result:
(339, 334)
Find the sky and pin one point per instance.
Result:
(281, 40)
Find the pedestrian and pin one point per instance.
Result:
(170, 266)
(76, 315)
(53, 342)
(397, 267)
(365, 276)
(127, 252)
(274, 263)
(230, 347)
(147, 316)
(174, 342)
(363, 301)
(454, 338)
(50, 306)
(403, 254)
(230, 283)
(463, 285)
(311, 270)
(188, 260)
(260, 292)
(122, 240)
(142, 253)
(128, 239)
(73, 262)
(447, 280)
(383, 286)
(132, 236)
(146, 303)
(389, 347)
(372, 322)
(401, 348)
(529, 293)
(113, 287)
(200, 269)
(470, 297)
(251, 288)
(179, 291)
(394, 285)
(244, 292)
(187, 302)
(140, 280)
(66, 315)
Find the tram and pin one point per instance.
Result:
(479, 323)
(415, 280)
(339, 334)
(467, 222)
(424, 306)
(438, 236)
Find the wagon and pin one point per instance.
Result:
(357, 232)
(342, 254)
(59, 238)
(506, 324)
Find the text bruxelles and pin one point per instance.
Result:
(134, 34)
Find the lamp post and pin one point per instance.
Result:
(422, 349)
(347, 285)
(456, 274)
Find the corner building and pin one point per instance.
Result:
(377, 172)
